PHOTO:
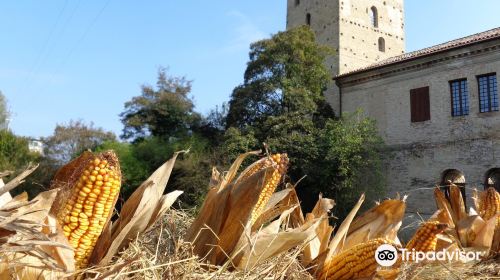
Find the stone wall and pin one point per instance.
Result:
(345, 26)
(358, 43)
(421, 152)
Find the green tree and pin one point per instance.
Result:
(281, 103)
(191, 172)
(70, 140)
(15, 156)
(67, 142)
(161, 121)
(164, 111)
(214, 124)
(134, 171)
(285, 74)
(4, 112)
(14, 152)
(351, 150)
(140, 159)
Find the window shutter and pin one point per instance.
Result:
(420, 104)
(413, 105)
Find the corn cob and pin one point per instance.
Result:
(357, 262)
(490, 204)
(425, 239)
(90, 205)
(280, 163)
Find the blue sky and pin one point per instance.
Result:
(74, 59)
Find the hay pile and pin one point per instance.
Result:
(486, 269)
(161, 253)
(149, 240)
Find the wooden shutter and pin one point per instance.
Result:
(420, 104)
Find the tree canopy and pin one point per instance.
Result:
(4, 112)
(14, 152)
(285, 74)
(164, 111)
(281, 103)
(69, 140)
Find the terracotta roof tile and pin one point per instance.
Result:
(461, 42)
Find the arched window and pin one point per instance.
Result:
(381, 44)
(374, 16)
(455, 177)
(308, 19)
(297, 2)
(493, 179)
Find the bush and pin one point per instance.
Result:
(140, 159)
(134, 172)
(16, 156)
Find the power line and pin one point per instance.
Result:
(47, 40)
(61, 33)
(80, 40)
(54, 44)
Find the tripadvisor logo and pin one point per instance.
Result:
(387, 255)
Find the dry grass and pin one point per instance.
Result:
(486, 269)
(160, 253)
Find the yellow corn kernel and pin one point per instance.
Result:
(357, 262)
(279, 162)
(425, 239)
(490, 204)
(86, 212)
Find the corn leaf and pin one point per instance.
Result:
(381, 221)
(239, 205)
(443, 204)
(6, 197)
(206, 226)
(319, 243)
(468, 228)
(457, 202)
(271, 241)
(485, 235)
(18, 180)
(163, 205)
(337, 243)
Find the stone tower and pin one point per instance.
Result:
(362, 32)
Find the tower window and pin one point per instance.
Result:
(488, 95)
(459, 98)
(374, 16)
(381, 44)
(308, 19)
(297, 2)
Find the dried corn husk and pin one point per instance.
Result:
(33, 246)
(272, 241)
(381, 221)
(141, 210)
